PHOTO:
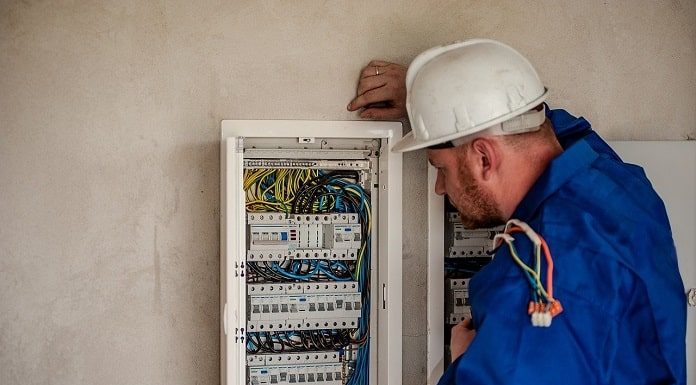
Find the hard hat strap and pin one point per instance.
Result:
(530, 121)
(527, 122)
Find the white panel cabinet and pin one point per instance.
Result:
(310, 253)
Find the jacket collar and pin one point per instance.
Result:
(561, 169)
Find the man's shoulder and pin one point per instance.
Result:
(609, 193)
(610, 212)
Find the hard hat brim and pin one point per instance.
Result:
(410, 143)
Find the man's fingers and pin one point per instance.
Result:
(376, 95)
(462, 336)
(381, 91)
(371, 83)
(385, 113)
(464, 324)
(376, 67)
(371, 71)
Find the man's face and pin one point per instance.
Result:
(456, 179)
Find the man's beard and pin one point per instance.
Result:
(476, 206)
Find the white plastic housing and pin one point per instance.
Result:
(385, 318)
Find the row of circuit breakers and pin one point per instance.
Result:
(304, 306)
(292, 310)
(317, 236)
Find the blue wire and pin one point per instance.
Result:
(288, 274)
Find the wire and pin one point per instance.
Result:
(543, 306)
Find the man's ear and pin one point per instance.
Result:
(485, 155)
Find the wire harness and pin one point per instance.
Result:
(543, 307)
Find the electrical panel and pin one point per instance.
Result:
(311, 253)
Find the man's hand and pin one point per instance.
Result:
(381, 91)
(462, 335)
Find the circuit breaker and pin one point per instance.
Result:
(311, 253)
(457, 306)
(465, 243)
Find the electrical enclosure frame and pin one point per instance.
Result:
(386, 263)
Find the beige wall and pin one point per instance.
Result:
(109, 120)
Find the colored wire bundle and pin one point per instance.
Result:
(274, 189)
(543, 306)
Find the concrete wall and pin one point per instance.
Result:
(109, 119)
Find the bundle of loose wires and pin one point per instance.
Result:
(543, 306)
(297, 341)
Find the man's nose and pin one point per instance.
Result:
(440, 184)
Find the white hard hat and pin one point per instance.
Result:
(461, 89)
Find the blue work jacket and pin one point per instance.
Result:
(615, 272)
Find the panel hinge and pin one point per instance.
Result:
(239, 269)
(239, 335)
(384, 296)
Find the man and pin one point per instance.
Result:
(477, 106)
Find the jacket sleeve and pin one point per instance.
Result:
(508, 349)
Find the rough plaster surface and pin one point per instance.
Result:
(109, 120)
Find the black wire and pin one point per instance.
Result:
(304, 198)
(310, 340)
(256, 269)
